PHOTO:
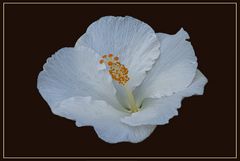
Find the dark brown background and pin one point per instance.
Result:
(205, 125)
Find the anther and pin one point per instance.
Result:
(118, 71)
(101, 61)
(110, 63)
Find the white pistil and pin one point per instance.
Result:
(132, 103)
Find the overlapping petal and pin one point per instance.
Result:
(158, 111)
(104, 118)
(74, 72)
(173, 71)
(132, 40)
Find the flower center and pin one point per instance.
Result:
(118, 71)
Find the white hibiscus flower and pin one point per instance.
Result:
(122, 78)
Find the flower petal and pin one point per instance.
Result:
(75, 72)
(104, 118)
(159, 111)
(134, 41)
(173, 71)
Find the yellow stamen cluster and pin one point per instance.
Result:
(117, 70)
(119, 73)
